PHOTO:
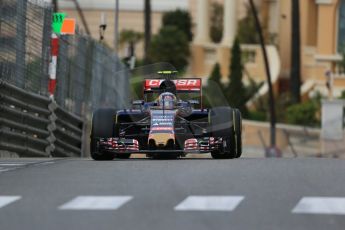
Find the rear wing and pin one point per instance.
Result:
(185, 85)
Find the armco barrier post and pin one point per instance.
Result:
(51, 128)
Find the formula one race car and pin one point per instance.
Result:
(167, 125)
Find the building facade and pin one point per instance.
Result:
(322, 36)
(322, 26)
(131, 15)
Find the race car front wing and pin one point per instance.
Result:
(193, 145)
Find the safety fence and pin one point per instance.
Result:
(89, 74)
(25, 33)
(34, 126)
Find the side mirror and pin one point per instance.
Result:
(138, 102)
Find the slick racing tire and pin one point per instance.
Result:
(102, 127)
(238, 132)
(222, 126)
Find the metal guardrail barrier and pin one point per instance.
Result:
(35, 126)
(89, 76)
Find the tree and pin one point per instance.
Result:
(130, 37)
(215, 87)
(303, 114)
(216, 28)
(170, 45)
(236, 91)
(215, 75)
(181, 19)
(342, 96)
(246, 29)
(147, 20)
(342, 62)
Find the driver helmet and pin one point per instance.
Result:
(167, 100)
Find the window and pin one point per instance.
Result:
(341, 27)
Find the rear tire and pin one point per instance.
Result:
(222, 125)
(102, 127)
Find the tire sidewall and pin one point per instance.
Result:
(103, 126)
(222, 125)
(238, 132)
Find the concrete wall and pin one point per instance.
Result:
(290, 139)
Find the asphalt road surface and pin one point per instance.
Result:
(172, 194)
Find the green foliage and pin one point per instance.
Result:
(181, 19)
(247, 33)
(306, 114)
(341, 64)
(170, 45)
(257, 116)
(283, 102)
(216, 28)
(136, 86)
(236, 91)
(342, 95)
(215, 75)
(252, 88)
(130, 36)
(139, 62)
(215, 90)
(303, 113)
(217, 94)
(235, 94)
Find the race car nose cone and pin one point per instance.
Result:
(161, 139)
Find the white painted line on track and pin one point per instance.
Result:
(10, 164)
(45, 163)
(96, 203)
(5, 170)
(209, 203)
(6, 200)
(321, 205)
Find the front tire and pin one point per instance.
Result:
(102, 127)
(222, 125)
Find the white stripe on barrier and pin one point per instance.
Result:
(52, 68)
